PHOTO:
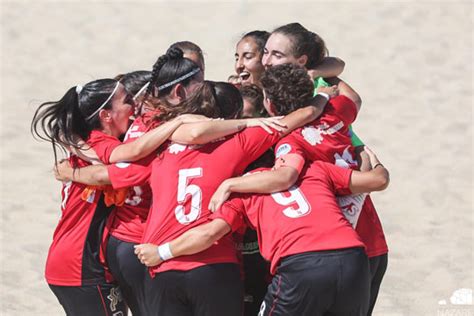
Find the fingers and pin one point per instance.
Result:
(218, 204)
(266, 128)
(211, 206)
(266, 123)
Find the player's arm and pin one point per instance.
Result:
(192, 241)
(145, 144)
(90, 175)
(270, 181)
(329, 67)
(208, 131)
(304, 115)
(377, 179)
(346, 90)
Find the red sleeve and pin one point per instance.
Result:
(289, 145)
(344, 108)
(338, 176)
(252, 143)
(125, 174)
(232, 212)
(103, 145)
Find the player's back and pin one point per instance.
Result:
(183, 181)
(326, 138)
(306, 217)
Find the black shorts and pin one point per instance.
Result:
(91, 300)
(256, 273)
(128, 272)
(378, 266)
(319, 283)
(211, 290)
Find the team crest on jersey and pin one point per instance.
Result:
(283, 150)
(315, 134)
(176, 148)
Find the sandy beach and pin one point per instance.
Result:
(411, 63)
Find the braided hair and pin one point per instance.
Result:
(168, 68)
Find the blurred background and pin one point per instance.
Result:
(410, 62)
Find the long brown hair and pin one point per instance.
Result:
(201, 101)
(211, 99)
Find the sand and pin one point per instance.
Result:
(411, 63)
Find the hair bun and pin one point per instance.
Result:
(175, 53)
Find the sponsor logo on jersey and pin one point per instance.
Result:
(283, 149)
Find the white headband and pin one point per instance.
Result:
(103, 104)
(78, 89)
(141, 90)
(186, 76)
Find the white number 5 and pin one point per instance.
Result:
(295, 197)
(196, 196)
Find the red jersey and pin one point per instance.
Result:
(327, 139)
(305, 218)
(183, 180)
(127, 222)
(73, 258)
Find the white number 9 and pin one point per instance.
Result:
(295, 197)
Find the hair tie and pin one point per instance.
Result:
(103, 104)
(184, 77)
(78, 89)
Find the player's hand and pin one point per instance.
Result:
(370, 153)
(219, 197)
(333, 91)
(148, 254)
(63, 170)
(372, 157)
(267, 123)
(192, 118)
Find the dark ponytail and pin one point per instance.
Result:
(260, 38)
(74, 115)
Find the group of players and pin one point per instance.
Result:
(157, 217)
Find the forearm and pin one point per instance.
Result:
(82, 150)
(145, 144)
(304, 115)
(206, 131)
(91, 175)
(194, 241)
(329, 67)
(263, 182)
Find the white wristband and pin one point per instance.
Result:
(164, 251)
(325, 95)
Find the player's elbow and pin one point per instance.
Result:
(381, 181)
(101, 176)
(287, 176)
(196, 136)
